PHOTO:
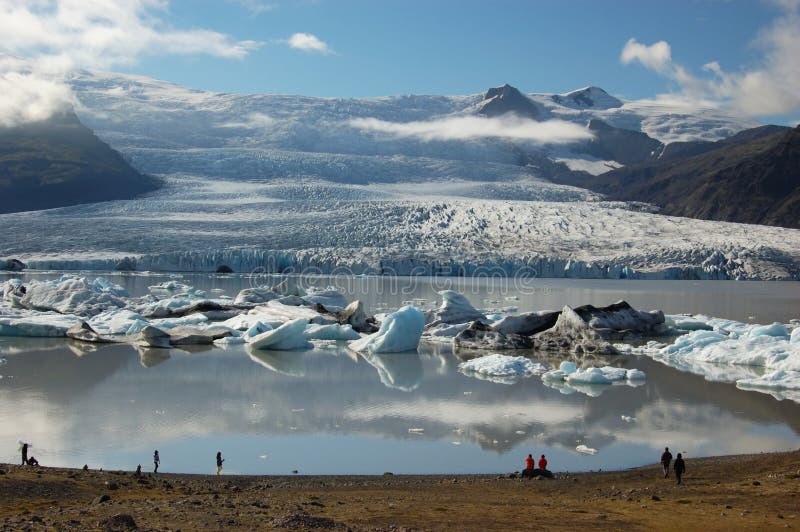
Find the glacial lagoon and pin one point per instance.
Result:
(329, 410)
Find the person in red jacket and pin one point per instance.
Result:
(542, 462)
(529, 462)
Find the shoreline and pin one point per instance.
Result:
(727, 492)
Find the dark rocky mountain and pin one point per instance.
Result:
(59, 162)
(507, 99)
(752, 177)
(622, 145)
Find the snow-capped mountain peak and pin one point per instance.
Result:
(507, 99)
(588, 97)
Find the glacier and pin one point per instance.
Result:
(275, 183)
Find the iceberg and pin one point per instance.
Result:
(333, 331)
(455, 308)
(583, 449)
(72, 295)
(399, 332)
(502, 368)
(780, 384)
(45, 324)
(288, 337)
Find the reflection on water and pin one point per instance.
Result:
(329, 411)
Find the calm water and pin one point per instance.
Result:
(328, 411)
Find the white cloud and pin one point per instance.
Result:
(657, 56)
(473, 127)
(56, 36)
(772, 87)
(252, 121)
(308, 43)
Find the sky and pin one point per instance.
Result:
(744, 55)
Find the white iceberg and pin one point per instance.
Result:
(118, 321)
(44, 324)
(72, 295)
(455, 308)
(399, 332)
(502, 368)
(333, 331)
(288, 337)
(780, 384)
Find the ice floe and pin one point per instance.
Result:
(399, 332)
(730, 351)
(501, 368)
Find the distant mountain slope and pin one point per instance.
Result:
(752, 177)
(60, 162)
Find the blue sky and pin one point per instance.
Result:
(458, 47)
(740, 54)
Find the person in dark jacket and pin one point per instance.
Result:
(666, 458)
(156, 461)
(24, 454)
(679, 467)
(220, 459)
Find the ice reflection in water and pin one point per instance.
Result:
(329, 411)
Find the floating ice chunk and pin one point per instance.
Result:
(583, 449)
(333, 331)
(45, 324)
(506, 368)
(118, 321)
(445, 332)
(780, 384)
(330, 298)
(183, 321)
(69, 295)
(255, 296)
(591, 381)
(288, 337)
(687, 323)
(455, 308)
(399, 332)
(256, 329)
(229, 340)
(628, 419)
(416, 430)
(786, 380)
(776, 329)
(101, 284)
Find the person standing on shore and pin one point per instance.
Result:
(666, 458)
(542, 462)
(679, 467)
(156, 461)
(529, 462)
(24, 453)
(220, 459)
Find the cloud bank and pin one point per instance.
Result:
(772, 87)
(308, 42)
(507, 126)
(56, 36)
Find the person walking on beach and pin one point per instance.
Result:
(542, 462)
(220, 459)
(24, 454)
(679, 467)
(666, 458)
(529, 462)
(156, 461)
